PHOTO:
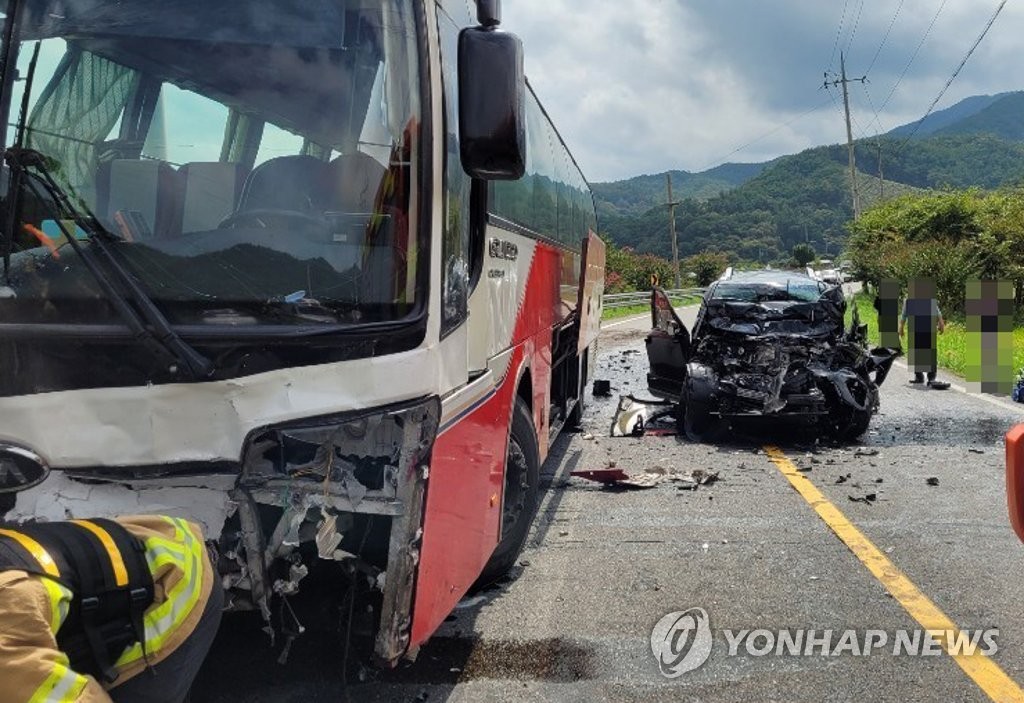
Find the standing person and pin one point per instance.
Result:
(921, 309)
(93, 611)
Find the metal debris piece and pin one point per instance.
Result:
(649, 478)
(932, 481)
(972, 450)
(865, 451)
(866, 499)
(692, 480)
(607, 476)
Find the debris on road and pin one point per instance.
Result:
(865, 451)
(635, 418)
(868, 499)
(693, 480)
(844, 479)
(609, 475)
(602, 389)
(933, 481)
(649, 478)
(972, 450)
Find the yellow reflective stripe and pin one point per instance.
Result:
(37, 551)
(162, 621)
(60, 602)
(62, 685)
(120, 572)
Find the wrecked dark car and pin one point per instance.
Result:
(766, 346)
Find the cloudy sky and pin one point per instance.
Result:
(641, 86)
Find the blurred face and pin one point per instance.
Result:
(921, 288)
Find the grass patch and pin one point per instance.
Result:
(952, 344)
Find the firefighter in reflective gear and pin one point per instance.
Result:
(105, 610)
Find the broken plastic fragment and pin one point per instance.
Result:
(327, 537)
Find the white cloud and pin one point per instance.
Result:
(643, 86)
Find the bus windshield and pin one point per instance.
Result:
(246, 162)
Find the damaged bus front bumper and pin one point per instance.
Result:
(345, 489)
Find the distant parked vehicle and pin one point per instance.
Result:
(833, 277)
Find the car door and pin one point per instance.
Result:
(668, 348)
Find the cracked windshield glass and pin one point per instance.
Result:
(245, 165)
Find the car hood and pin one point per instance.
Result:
(822, 318)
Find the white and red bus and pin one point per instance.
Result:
(317, 274)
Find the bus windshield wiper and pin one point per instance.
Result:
(145, 320)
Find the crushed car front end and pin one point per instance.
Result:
(769, 351)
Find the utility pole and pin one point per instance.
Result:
(672, 229)
(843, 81)
(881, 180)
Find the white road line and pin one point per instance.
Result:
(628, 319)
(998, 402)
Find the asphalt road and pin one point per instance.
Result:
(756, 550)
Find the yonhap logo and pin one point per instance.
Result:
(681, 642)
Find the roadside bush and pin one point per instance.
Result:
(949, 236)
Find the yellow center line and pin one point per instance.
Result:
(981, 668)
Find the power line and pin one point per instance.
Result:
(959, 68)
(844, 81)
(842, 112)
(885, 38)
(721, 159)
(856, 25)
(878, 119)
(839, 33)
(913, 56)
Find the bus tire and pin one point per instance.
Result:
(521, 494)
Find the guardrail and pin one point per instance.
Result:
(643, 297)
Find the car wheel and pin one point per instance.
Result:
(856, 425)
(700, 425)
(521, 493)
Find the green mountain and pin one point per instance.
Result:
(637, 195)
(1003, 118)
(760, 211)
(942, 119)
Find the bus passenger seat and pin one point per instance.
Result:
(293, 183)
(209, 193)
(138, 199)
(357, 180)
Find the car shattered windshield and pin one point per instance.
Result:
(781, 291)
(250, 162)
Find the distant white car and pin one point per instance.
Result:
(832, 277)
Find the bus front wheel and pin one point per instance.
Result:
(522, 490)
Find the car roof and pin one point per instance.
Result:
(769, 277)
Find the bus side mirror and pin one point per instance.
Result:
(492, 104)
